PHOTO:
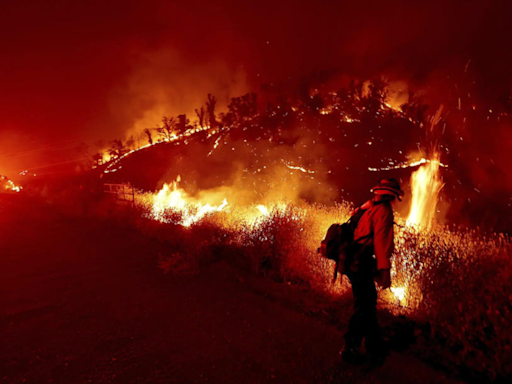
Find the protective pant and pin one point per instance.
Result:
(364, 324)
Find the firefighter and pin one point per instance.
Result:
(373, 242)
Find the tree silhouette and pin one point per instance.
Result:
(201, 115)
(168, 129)
(355, 91)
(150, 137)
(130, 143)
(210, 108)
(227, 119)
(376, 97)
(244, 108)
(414, 108)
(183, 124)
(117, 149)
(97, 159)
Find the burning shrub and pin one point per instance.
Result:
(459, 281)
(456, 280)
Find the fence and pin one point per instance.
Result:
(125, 192)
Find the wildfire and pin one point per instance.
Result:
(262, 209)
(426, 184)
(410, 164)
(174, 205)
(172, 198)
(9, 184)
(399, 293)
(173, 139)
(296, 230)
(217, 141)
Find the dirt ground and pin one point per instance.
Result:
(82, 301)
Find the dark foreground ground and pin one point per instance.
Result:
(82, 301)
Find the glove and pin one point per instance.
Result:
(383, 278)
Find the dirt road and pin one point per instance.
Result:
(83, 301)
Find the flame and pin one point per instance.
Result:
(400, 293)
(106, 157)
(112, 166)
(264, 210)
(172, 198)
(411, 164)
(9, 185)
(215, 145)
(172, 204)
(425, 187)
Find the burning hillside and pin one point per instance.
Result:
(271, 183)
(313, 145)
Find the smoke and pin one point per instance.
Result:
(164, 83)
(10, 142)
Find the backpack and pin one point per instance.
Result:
(338, 243)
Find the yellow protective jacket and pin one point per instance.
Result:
(375, 229)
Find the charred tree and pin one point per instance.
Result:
(148, 134)
(201, 115)
(375, 98)
(168, 129)
(414, 108)
(244, 108)
(210, 108)
(183, 124)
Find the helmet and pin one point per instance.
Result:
(388, 187)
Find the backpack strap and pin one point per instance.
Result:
(353, 221)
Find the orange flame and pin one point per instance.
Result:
(172, 198)
(9, 184)
(425, 187)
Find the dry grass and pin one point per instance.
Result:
(457, 280)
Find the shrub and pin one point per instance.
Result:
(457, 280)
